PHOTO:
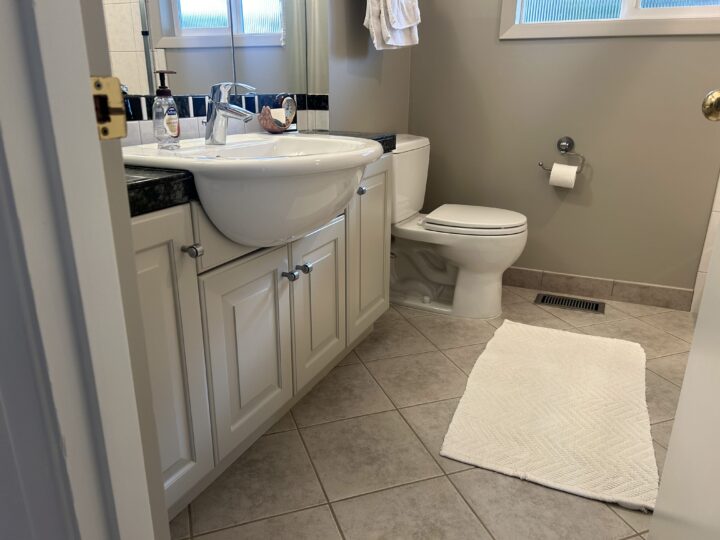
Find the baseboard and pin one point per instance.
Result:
(607, 289)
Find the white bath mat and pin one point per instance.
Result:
(560, 409)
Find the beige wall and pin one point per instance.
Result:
(493, 109)
(369, 89)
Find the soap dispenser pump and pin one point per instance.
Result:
(166, 121)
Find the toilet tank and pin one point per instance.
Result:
(410, 161)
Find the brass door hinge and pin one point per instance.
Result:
(109, 107)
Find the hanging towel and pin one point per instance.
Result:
(373, 17)
(404, 37)
(403, 13)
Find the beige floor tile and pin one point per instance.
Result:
(636, 310)
(586, 318)
(512, 509)
(509, 297)
(528, 313)
(425, 510)
(273, 477)
(661, 433)
(678, 323)
(286, 423)
(660, 454)
(431, 422)
(393, 338)
(526, 294)
(670, 367)
(656, 342)
(350, 358)
(365, 454)
(346, 391)
(465, 357)
(391, 314)
(447, 332)
(419, 378)
(640, 521)
(411, 313)
(662, 398)
(312, 524)
(180, 526)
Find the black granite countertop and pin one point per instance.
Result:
(151, 189)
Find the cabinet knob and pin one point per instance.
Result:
(362, 190)
(194, 251)
(291, 276)
(305, 268)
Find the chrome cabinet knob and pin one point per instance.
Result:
(305, 268)
(362, 190)
(291, 276)
(194, 251)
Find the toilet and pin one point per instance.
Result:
(451, 260)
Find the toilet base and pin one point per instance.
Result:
(477, 295)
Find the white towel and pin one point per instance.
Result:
(403, 13)
(379, 17)
(373, 17)
(404, 37)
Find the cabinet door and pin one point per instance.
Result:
(170, 307)
(369, 249)
(246, 309)
(319, 300)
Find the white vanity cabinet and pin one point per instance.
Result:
(318, 300)
(236, 335)
(368, 249)
(246, 306)
(170, 307)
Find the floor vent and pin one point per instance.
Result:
(566, 302)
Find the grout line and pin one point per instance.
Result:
(610, 506)
(462, 496)
(404, 355)
(322, 486)
(662, 377)
(282, 514)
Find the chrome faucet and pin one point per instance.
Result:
(219, 110)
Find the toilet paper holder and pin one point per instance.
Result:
(565, 146)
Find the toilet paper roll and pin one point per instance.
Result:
(563, 175)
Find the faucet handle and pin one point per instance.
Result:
(219, 92)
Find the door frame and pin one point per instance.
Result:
(64, 190)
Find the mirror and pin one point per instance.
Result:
(258, 42)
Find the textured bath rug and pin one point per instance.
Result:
(560, 409)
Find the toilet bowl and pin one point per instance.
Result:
(451, 260)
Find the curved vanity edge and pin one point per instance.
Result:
(151, 189)
(387, 140)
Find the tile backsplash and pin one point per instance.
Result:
(313, 113)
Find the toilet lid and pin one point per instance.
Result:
(465, 219)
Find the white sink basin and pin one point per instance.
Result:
(265, 190)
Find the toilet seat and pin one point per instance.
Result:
(475, 221)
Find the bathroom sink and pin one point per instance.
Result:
(266, 190)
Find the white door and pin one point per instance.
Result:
(318, 300)
(368, 244)
(246, 309)
(170, 306)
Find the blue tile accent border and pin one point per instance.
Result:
(195, 105)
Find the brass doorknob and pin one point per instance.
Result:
(711, 106)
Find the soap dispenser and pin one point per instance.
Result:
(166, 121)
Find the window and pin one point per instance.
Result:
(207, 23)
(578, 18)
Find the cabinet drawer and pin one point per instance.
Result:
(218, 248)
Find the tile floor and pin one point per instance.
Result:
(358, 457)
